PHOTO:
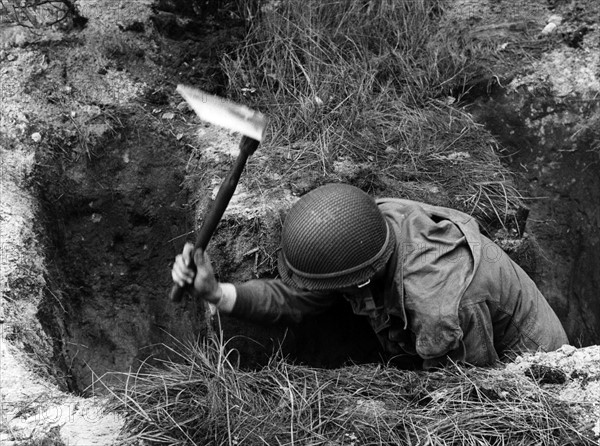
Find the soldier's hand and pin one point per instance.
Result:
(201, 276)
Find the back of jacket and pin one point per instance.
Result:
(463, 296)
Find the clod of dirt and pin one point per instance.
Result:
(546, 375)
(136, 27)
(575, 38)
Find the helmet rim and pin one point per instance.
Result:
(352, 274)
(335, 236)
(337, 280)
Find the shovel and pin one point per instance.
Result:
(251, 124)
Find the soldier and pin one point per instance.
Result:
(431, 285)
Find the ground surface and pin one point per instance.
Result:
(104, 170)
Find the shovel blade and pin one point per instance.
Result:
(225, 113)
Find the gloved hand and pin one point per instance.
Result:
(202, 277)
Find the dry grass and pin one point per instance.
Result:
(203, 398)
(373, 82)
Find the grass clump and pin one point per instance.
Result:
(205, 399)
(373, 83)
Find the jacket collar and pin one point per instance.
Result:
(387, 300)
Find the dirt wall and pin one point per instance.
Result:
(548, 123)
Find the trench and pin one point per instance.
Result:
(552, 144)
(115, 220)
(116, 216)
(116, 204)
(118, 207)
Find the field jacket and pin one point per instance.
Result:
(449, 292)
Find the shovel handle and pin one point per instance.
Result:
(247, 147)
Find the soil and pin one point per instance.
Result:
(547, 119)
(95, 205)
(106, 172)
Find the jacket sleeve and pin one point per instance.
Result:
(272, 301)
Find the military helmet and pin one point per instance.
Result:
(334, 237)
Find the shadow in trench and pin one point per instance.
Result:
(549, 141)
(116, 220)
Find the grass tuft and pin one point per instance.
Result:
(203, 398)
(373, 83)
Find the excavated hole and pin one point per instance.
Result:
(552, 143)
(115, 216)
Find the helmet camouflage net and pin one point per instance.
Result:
(334, 237)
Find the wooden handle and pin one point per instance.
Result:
(247, 147)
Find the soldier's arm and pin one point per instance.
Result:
(272, 301)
